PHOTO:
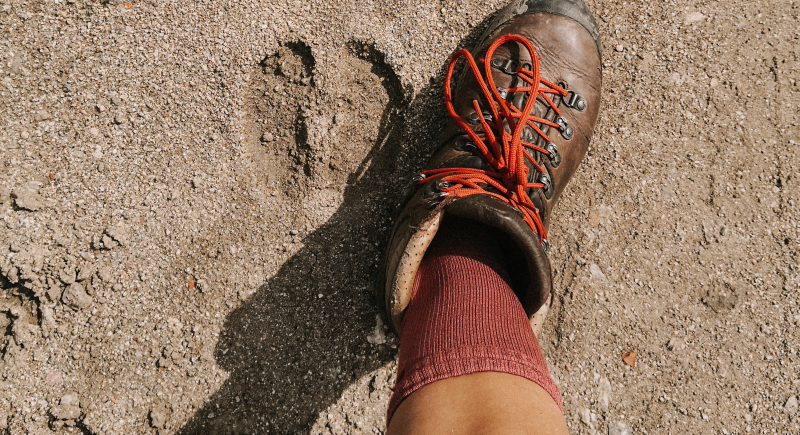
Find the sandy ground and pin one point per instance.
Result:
(194, 199)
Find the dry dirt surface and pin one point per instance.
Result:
(194, 199)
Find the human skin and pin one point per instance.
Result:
(479, 403)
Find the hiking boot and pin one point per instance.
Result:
(521, 120)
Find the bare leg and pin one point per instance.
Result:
(479, 403)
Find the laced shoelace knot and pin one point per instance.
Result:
(504, 150)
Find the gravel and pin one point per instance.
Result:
(179, 182)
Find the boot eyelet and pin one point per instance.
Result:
(441, 185)
(575, 101)
(503, 92)
(555, 157)
(434, 194)
(432, 191)
(545, 179)
(508, 66)
(464, 144)
(566, 130)
(545, 245)
(548, 185)
(474, 119)
(433, 204)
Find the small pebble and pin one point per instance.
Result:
(604, 394)
(620, 48)
(54, 377)
(158, 417)
(42, 115)
(791, 405)
(71, 398)
(16, 64)
(619, 428)
(586, 416)
(694, 17)
(75, 297)
(68, 408)
(27, 199)
(267, 137)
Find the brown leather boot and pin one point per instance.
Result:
(505, 158)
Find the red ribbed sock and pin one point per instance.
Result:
(465, 318)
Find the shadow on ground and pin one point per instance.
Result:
(294, 346)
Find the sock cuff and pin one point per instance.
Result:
(466, 360)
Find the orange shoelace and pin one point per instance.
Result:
(505, 155)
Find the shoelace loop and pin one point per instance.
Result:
(506, 154)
